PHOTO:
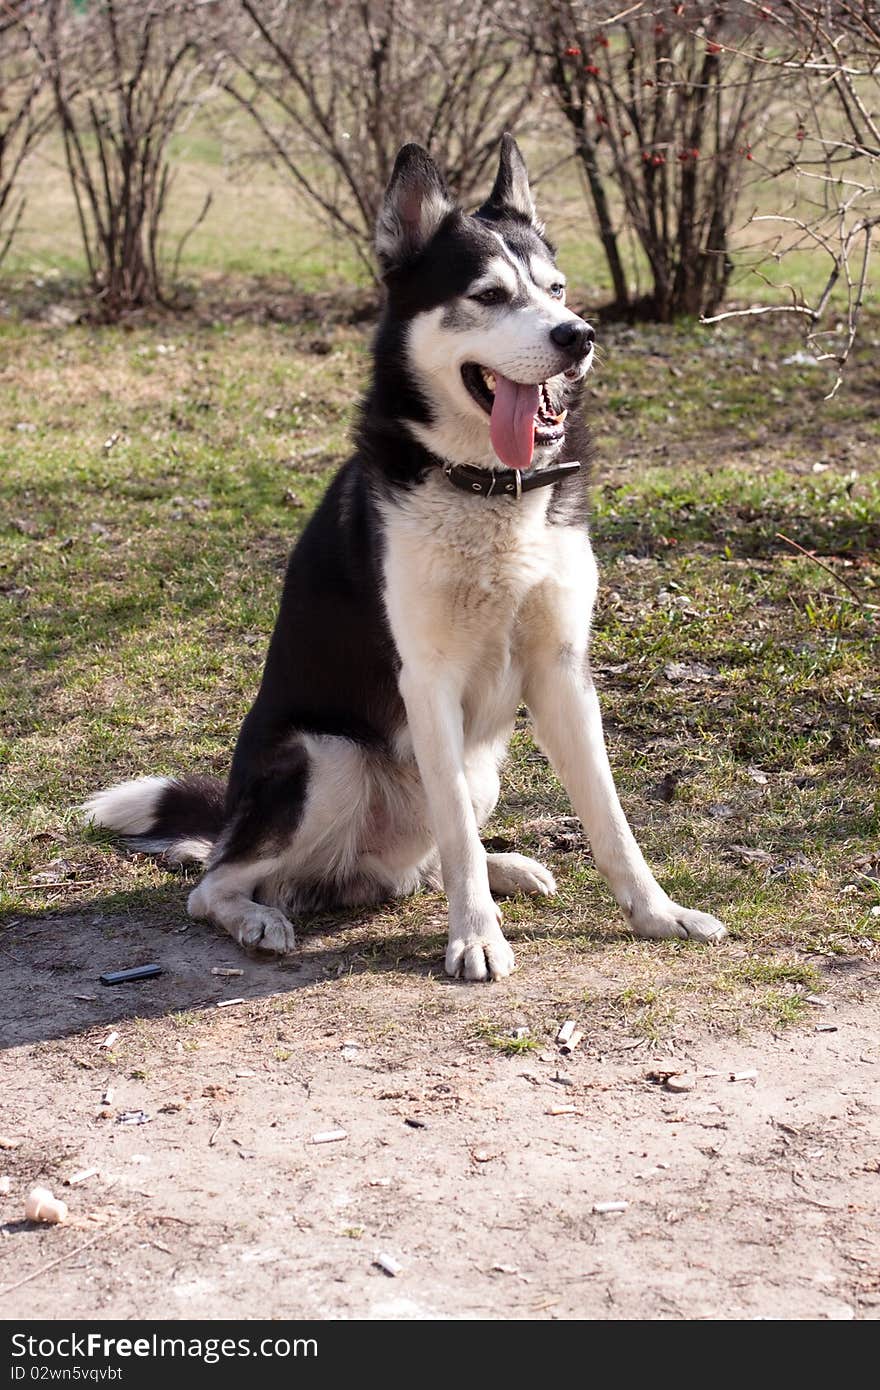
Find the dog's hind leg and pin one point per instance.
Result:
(515, 873)
(508, 873)
(224, 896)
(258, 837)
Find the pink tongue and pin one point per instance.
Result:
(512, 426)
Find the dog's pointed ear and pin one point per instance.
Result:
(511, 194)
(416, 202)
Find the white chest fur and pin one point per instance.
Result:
(474, 587)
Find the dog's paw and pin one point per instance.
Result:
(669, 920)
(253, 925)
(514, 873)
(477, 949)
(266, 929)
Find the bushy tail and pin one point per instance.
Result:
(179, 817)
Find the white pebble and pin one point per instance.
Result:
(41, 1205)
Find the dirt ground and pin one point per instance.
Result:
(475, 1170)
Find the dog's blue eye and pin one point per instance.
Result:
(496, 295)
(557, 290)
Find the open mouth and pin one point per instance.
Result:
(522, 417)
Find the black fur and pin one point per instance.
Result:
(191, 806)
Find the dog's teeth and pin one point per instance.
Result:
(489, 378)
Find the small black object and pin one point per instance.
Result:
(137, 972)
(505, 482)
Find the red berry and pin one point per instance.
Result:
(592, 69)
(572, 53)
(713, 47)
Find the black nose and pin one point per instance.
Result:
(574, 337)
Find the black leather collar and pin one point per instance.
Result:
(504, 482)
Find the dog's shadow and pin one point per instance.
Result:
(50, 986)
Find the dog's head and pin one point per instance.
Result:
(490, 348)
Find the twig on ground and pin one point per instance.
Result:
(62, 1259)
(827, 568)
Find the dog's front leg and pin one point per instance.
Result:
(568, 725)
(477, 948)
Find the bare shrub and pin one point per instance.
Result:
(335, 87)
(25, 115)
(123, 74)
(824, 156)
(663, 111)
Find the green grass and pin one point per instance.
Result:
(508, 1044)
(151, 477)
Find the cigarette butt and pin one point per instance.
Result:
(227, 971)
(743, 1076)
(83, 1176)
(562, 1110)
(572, 1041)
(566, 1031)
(227, 1003)
(7, 1143)
(108, 1042)
(329, 1136)
(107, 1097)
(605, 1208)
(389, 1264)
(41, 1205)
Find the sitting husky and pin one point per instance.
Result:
(445, 577)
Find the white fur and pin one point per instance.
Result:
(489, 604)
(544, 272)
(192, 850)
(128, 808)
(455, 577)
(516, 343)
(502, 272)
